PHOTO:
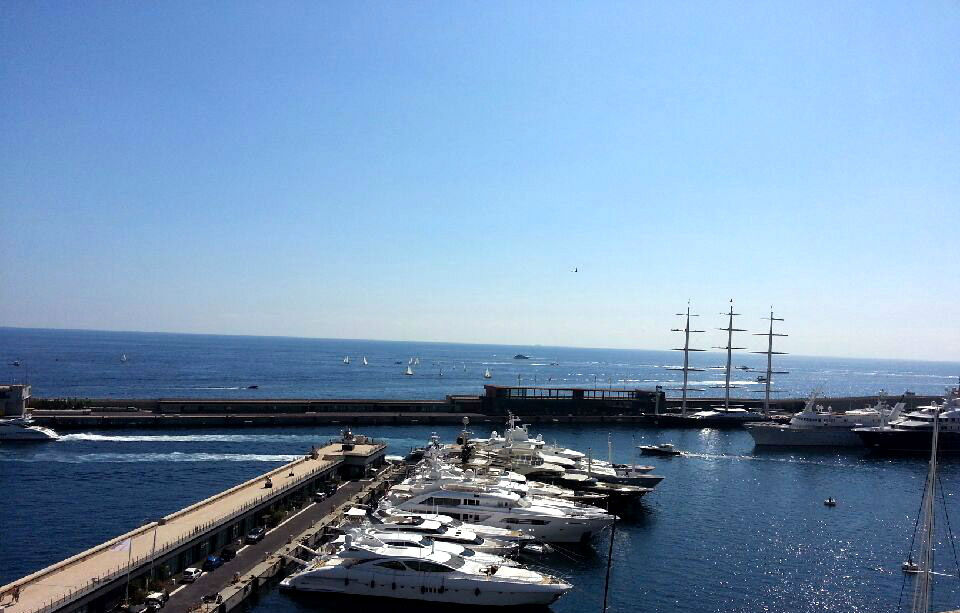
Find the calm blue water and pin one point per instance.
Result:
(73, 363)
(729, 529)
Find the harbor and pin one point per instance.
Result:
(136, 457)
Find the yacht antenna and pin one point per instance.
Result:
(729, 330)
(769, 353)
(686, 349)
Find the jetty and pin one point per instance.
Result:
(536, 404)
(96, 580)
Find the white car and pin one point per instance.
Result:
(190, 575)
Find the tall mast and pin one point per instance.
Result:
(921, 594)
(729, 347)
(686, 349)
(770, 353)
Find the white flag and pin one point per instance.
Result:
(123, 545)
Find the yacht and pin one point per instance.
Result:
(416, 543)
(434, 530)
(391, 515)
(504, 509)
(23, 429)
(432, 576)
(814, 426)
(913, 431)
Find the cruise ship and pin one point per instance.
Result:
(913, 432)
(816, 427)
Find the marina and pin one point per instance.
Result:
(590, 455)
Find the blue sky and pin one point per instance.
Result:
(434, 171)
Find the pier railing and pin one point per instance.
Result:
(96, 582)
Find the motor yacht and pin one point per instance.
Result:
(814, 426)
(23, 429)
(433, 576)
(913, 431)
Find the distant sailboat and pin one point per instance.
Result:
(409, 372)
(364, 360)
(416, 361)
(410, 362)
(123, 357)
(486, 374)
(346, 359)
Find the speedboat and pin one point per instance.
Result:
(663, 449)
(23, 429)
(432, 576)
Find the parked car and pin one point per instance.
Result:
(212, 563)
(256, 535)
(190, 575)
(228, 553)
(320, 496)
(156, 600)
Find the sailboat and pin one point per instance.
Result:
(486, 374)
(922, 565)
(346, 359)
(416, 361)
(123, 357)
(410, 362)
(409, 371)
(364, 360)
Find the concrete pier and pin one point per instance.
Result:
(93, 581)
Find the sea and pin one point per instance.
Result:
(731, 528)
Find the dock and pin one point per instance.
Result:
(94, 581)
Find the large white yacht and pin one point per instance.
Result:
(433, 576)
(23, 429)
(914, 431)
(815, 426)
(503, 509)
(432, 529)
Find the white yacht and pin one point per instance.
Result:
(815, 426)
(508, 535)
(418, 544)
(435, 530)
(23, 429)
(913, 431)
(503, 509)
(433, 576)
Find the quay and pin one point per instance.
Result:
(535, 405)
(95, 580)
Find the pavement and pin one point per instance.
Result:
(188, 597)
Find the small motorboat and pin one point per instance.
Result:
(520, 356)
(663, 449)
(253, 387)
(830, 502)
(910, 566)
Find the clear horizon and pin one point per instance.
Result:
(709, 351)
(382, 170)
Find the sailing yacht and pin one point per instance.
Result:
(408, 372)
(486, 374)
(346, 359)
(123, 357)
(364, 360)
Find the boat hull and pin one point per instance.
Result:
(908, 441)
(776, 435)
(431, 590)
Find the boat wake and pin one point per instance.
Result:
(782, 460)
(197, 438)
(176, 456)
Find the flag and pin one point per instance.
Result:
(123, 545)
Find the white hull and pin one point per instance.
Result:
(18, 432)
(784, 436)
(552, 530)
(454, 591)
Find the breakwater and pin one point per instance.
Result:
(534, 405)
